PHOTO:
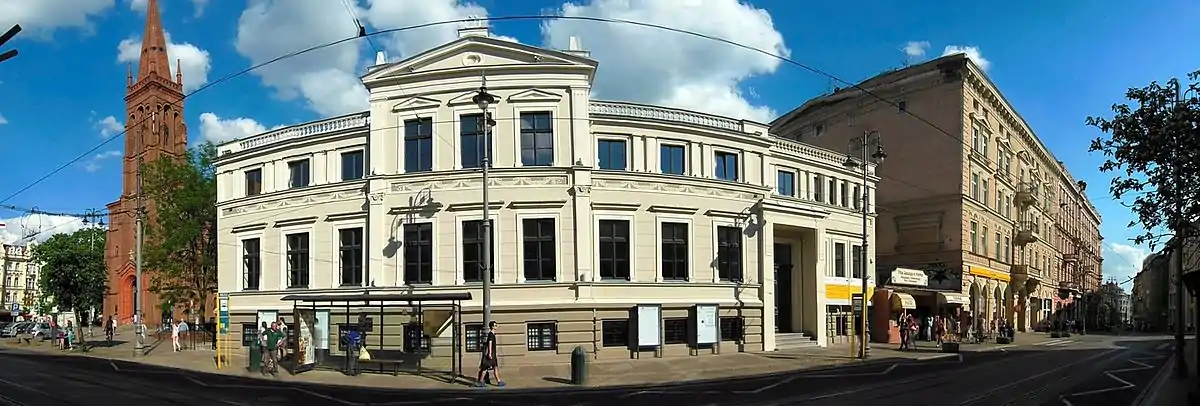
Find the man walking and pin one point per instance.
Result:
(491, 360)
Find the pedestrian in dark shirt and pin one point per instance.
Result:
(491, 360)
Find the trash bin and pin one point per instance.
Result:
(255, 357)
(578, 366)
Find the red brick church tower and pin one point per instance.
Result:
(154, 127)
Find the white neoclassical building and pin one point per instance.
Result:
(597, 207)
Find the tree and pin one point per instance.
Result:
(181, 241)
(1153, 151)
(73, 276)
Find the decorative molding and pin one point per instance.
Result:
(301, 200)
(538, 204)
(476, 183)
(580, 190)
(661, 187)
(296, 221)
(534, 95)
(349, 122)
(248, 228)
(739, 215)
(494, 205)
(673, 209)
(346, 216)
(376, 198)
(462, 99)
(614, 206)
(415, 103)
(663, 114)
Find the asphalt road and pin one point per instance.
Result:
(991, 378)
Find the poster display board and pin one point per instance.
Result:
(708, 325)
(267, 316)
(305, 357)
(249, 334)
(321, 330)
(649, 325)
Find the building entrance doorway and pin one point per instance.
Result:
(785, 289)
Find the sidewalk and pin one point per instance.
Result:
(1169, 390)
(600, 373)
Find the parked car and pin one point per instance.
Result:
(39, 331)
(13, 329)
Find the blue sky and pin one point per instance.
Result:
(1058, 62)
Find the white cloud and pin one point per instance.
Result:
(218, 130)
(3, 120)
(93, 164)
(197, 5)
(1122, 261)
(327, 79)
(195, 61)
(971, 52)
(138, 5)
(109, 126)
(37, 227)
(915, 49)
(655, 66)
(42, 17)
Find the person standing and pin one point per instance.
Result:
(274, 338)
(175, 336)
(491, 360)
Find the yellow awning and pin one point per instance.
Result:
(903, 301)
(953, 298)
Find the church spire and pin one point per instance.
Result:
(154, 46)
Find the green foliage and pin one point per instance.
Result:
(73, 276)
(1152, 149)
(180, 250)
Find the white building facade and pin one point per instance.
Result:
(596, 207)
(20, 278)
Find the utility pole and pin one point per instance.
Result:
(483, 99)
(139, 213)
(863, 144)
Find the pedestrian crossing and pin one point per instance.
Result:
(1054, 343)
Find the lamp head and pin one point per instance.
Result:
(879, 155)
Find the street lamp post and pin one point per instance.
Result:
(483, 99)
(1181, 232)
(863, 144)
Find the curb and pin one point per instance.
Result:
(1151, 392)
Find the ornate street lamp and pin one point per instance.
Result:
(864, 145)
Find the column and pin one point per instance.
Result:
(319, 169)
(652, 155)
(766, 274)
(637, 155)
(581, 204)
(819, 313)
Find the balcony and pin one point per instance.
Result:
(1071, 258)
(1027, 194)
(1028, 233)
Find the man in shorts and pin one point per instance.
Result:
(491, 360)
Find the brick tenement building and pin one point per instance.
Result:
(154, 128)
(969, 194)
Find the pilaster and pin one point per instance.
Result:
(766, 267)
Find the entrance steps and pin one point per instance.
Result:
(787, 341)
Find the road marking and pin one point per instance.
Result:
(1163, 346)
(1054, 343)
(1029, 378)
(1124, 384)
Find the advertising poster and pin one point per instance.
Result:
(708, 325)
(306, 358)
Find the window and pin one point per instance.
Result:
(350, 256)
(787, 183)
(857, 268)
(817, 195)
(983, 197)
(819, 129)
(729, 253)
(999, 198)
(832, 191)
(844, 194)
(415, 339)
(473, 337)
(298, 174)
(976, 134)
(674, 251)
(839, 260)
(472, 248)
(418, 144)
(539, 249)
(614, 249)
(984, 237)
(253, 182)
(675, 331)
(732, 328)
(984, 143)
(611, 154)
(537, 139)
(614, 333)
(297, 260)
(974, 237)
(541, 337)
(727, 166)
(975, 186)
(353, 165)
(418, 253)
(251, 264)
(999, 248)
(1007, 207)
(671, 159)
(474, 147)
(858, 197)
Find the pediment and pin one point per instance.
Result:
(463, 99)
(477, 52)
(415, 103)
(534, 95)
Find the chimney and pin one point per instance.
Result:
(475, 27)
(573, 48)
(380, 61)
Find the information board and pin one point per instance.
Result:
(223, 314)
(649, 325)
(856, 302)
(708, 326)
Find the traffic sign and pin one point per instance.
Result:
(856, 302)
(16, 308)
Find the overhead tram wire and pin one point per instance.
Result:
(363, 34)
